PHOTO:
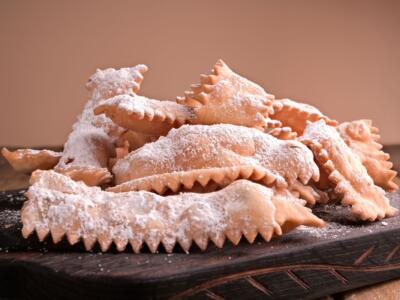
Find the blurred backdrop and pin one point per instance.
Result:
(341, 56)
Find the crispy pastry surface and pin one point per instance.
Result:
(363, 139)
(221, 97)
(310, 193)
(91, 143)
(29, 160)
(63, 207)
(282, 132)
(141, 114)
(226, 97)
(232, 159)
(296, 115)
(220, 153)
(347, 172)
(134, 139)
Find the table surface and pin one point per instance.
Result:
(9, 179)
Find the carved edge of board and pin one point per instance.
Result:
(335, 270)
(289, 270)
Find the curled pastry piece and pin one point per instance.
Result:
(347, 172)
(199, 180)
(141, 114)
(283, 133)
(86, 154)
(110, 82)
(226, 97)
(323, 183)
(29, 160)
(62, 207)
(222, 97)
(120, 152)
(363, 139)
(127, 142)
(283, 200)
(309, 193)
(134, 139)
(219, 153)
(91, 142)
(296, 115)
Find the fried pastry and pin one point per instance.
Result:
(296, 115)
(232, 159)
(91, 143)
(363, 139)
(62, 207)
(144, 115)
(310, 193)
(110, 82)
(134, 139)
(282, 132)
(347, 172)
(222, 97)
(218, 153)
(226, 97)
(29, 160)
(323, 183)
(127, 142)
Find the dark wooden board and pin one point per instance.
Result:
(305, 264)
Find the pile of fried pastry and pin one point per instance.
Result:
(226, 160)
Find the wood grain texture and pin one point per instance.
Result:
(386, 291)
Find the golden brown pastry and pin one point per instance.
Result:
(282, 132)
(218, 153)
(226, 97)
(310, 193)
(296, 115)
(62, 207)
(144, 115)
(346, 171)
(134, 139)
(91, 143)
(29, 160)
(222, 97)
(363, 139)
(246, 155)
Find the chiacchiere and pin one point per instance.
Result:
(221, 153)
(222, 97)
(346, 171)
(233, 159)
(62, 207)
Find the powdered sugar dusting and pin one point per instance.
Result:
(317, 131)
(140, 104)
(23, 152)
(55, 201)
(200, 147)
(330, 231)
(347, 172)
(92, 134)
(231, 99)
(110, 82)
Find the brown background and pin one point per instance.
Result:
(342, 56)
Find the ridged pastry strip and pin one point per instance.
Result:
(62, 207)
(363, 139)
(346, 171)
